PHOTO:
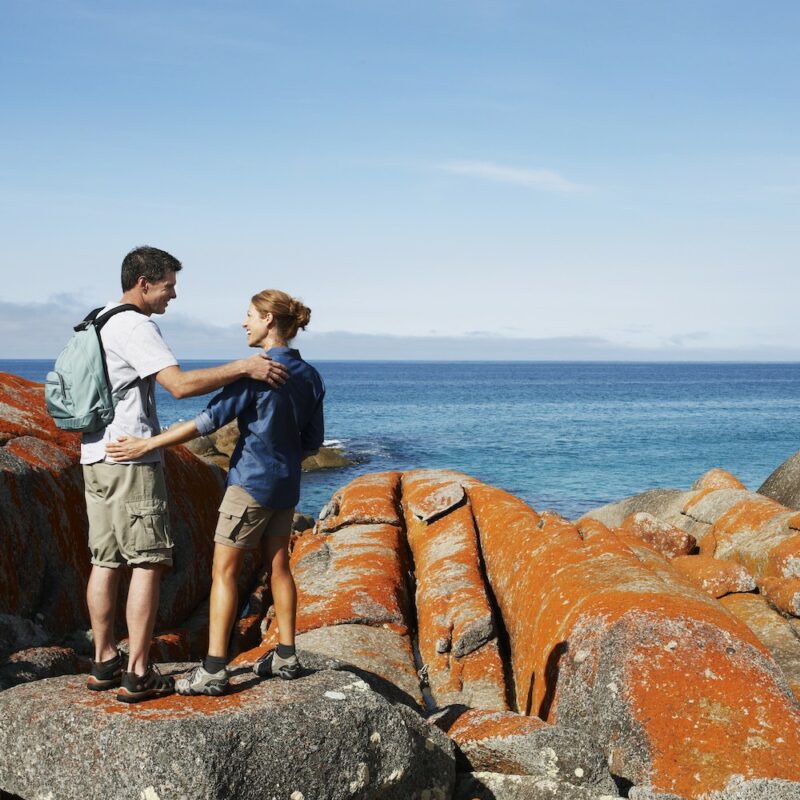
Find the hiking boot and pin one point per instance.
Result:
(135, 688)
(272, 664)
(201, 681)
(105, 674)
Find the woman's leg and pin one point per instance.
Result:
(224, 597)
(284, 593)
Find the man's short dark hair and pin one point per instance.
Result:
(148, 262)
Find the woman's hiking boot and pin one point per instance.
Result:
(272, 664)
(201, 681)
(135, 688)
(105, 674)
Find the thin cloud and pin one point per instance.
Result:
(543, 179)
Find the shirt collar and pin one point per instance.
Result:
(283, 351)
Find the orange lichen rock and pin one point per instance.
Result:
(783, 560)
(665, 538)
(368, 500)
(773, 630)
(354, 575)
(716, 576)
(783, 593)
(456, 627)
(680, 693)
(717, 478)
(748, 530)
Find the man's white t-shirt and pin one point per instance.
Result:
(135, 350)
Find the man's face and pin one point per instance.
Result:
(157, 295)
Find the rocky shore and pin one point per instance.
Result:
(458, 643)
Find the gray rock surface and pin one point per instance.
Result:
(508, 743)
(495, 786)
(380, 652)
(783, 484)
(36, 663)
(666, 504)
(325, 735)
(756, 789)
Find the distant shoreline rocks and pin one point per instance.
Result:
(218, 448)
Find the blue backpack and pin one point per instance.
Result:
(78, 392)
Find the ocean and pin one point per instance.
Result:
(562, 436)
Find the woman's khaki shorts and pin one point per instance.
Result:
(242, 521)
(127, 509)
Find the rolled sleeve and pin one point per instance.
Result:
(204, 423)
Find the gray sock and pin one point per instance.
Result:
(214, 663)
(285, 650)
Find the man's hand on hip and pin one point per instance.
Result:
(263, 368)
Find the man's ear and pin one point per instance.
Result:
(142, 283)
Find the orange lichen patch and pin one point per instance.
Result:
(368, 500)
(477, 723)
(716, 576)
(665, 538)
(428, 494)
(772, 629)
(600, 632)
(783, 593)
(454, 615)
(588, 528)
(749, 531)
(747, 515)
(708, 706)
(172, 706)
(708, 505)
(794, 522)
(717, 478)
(355, 575)
(783, 560)
(23, 413)
(40, 453)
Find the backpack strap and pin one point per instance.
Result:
(97, 319)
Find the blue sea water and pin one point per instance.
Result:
(563, 436)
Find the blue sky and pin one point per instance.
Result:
(615, 179)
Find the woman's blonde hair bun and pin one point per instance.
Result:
(290, 313)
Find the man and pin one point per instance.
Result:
(127, 503)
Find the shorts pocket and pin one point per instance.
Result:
(231, 518)
(149, 524)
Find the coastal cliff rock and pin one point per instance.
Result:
(599, 633)
(44, 559)
(456, 628)
(729, 523)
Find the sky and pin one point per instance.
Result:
(549, 179)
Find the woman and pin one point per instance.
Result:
(277, 429)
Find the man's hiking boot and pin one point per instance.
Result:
(272, 664)
(105, 674)
(135, 688)
(201, 681)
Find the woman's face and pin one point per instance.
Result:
(257, 327)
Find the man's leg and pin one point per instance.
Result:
(142, 608)
(101, 597)
(224, 597)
